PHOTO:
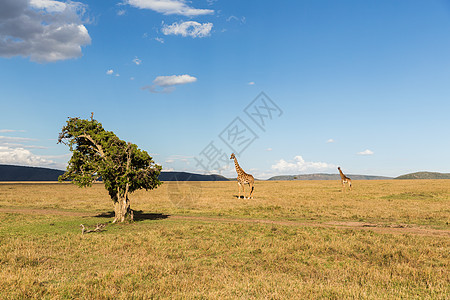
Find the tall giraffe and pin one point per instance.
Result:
(344, 180)
(243, 178)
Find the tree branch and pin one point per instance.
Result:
(98, 228)
(99, 147)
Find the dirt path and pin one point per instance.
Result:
(379, 228)
(398, 229)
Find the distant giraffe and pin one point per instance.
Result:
(243, 178)
(344, 180)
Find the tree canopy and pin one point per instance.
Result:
(100, 154)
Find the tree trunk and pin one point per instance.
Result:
(122, 210)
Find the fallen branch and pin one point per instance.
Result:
(98, 228)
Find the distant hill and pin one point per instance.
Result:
(22, 173)
(425, 175)
(322, 176)
(184, 176)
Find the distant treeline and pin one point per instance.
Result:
(425, 175)
(23, 173)
(322, 176)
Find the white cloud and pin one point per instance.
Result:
(158, 39)
(44, 30)
(174, 80)
(137, 61)
(366, 152)
(300, 165)
(110, 72)
(169, 7)
(21, 156)
(189, 28)
(269, 149)
(49, 5)
(330, 141)
(121, 12)
(251, 83)
(166, 84)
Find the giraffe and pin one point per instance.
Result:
(344, 180)
(243, 178)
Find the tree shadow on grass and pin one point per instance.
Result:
(138, 215)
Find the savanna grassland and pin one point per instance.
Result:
(294, 240)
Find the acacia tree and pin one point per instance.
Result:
(97, 153)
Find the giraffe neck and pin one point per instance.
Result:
(342, 174)
(238, 168)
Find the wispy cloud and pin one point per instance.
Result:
(44, 30)
(234, 18)
(121, 12)
(166, 84)
(169, 7)
(14, 139)
(10, 130)
(330, 141)
(18, 145)
(189, 28)
(366, 152)
(299, 165)
(231, 18)
(158, 39)
(19, 142)
(251, 83)
(183, 158)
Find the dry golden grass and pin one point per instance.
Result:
(302, 239)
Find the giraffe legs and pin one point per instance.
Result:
(250, 195)
(349, 182)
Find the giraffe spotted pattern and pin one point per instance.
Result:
(243, 178)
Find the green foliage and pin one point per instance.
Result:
(97, 153)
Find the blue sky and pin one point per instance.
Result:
(364, 85)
